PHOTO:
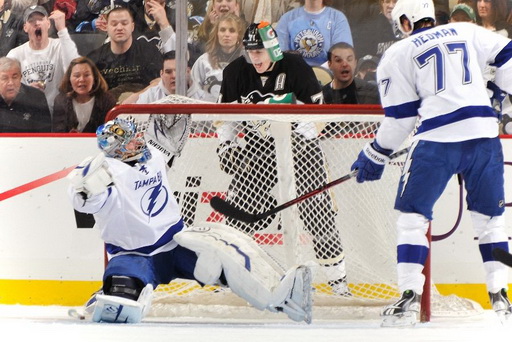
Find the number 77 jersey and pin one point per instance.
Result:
(434, 81)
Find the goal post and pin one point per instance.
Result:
(270, 155)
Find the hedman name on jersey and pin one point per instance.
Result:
(423, 38)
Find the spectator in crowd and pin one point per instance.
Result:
(367, 68)
(224, 46)
(492, 15)
(345, 88)
(152, 23)
(90, 14)
(312, 29)
(357, 11)
(86, 14)
(44, 60)
(376, 33)
(83, 101)
(462, 12)
(11, 24)
(166, 85)
(271, 11)
(195, 8)
(68, 7)
(215, 9)
(22, 108)
(125, 60)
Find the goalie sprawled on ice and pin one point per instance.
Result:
(125, 187)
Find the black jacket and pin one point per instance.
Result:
(64, 116)
(362, 91)
(28, 113)
(12, 34)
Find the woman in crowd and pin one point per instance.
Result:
(83, 101)
(223, 46)
(492, 15)
(215, 10)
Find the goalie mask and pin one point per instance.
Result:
(119, 139)
(412, 10)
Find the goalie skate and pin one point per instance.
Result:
(298, 305)
(501, 304)
(404, 312)
(113, 309)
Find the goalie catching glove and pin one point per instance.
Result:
(370, 162)
(91, 176)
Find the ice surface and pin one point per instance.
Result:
(52, 323)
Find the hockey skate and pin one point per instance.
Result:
(340, 287)
(501, 304)
(114, 309)
(298, 304)
(404, 312)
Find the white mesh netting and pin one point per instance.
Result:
(259, 161)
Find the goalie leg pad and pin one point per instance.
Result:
(298, 299)
(249, 271)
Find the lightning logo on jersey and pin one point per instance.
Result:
(154, 200)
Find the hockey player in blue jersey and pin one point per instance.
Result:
(431, 83)
(126, 188)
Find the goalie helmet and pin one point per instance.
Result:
(119, 139)
(252, 39)
(413, 10)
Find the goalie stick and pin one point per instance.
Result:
(502, 256)
(230, 210)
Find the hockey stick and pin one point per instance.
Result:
(230, 210)
(502, 256)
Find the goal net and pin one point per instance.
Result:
(260, 156)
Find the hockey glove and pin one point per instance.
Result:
(168, 133)
(288, 98)
(370, 162)
(231, 157)
(91, 176)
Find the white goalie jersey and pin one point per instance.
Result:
(143, 222)
(444, 66)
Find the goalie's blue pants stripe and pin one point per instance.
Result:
(413, 254)
(432, 164)
(157, 269)
(164, 240)
(486, 249)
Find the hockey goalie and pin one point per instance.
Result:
(126, 188)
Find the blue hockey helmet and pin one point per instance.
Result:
(120, 139)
